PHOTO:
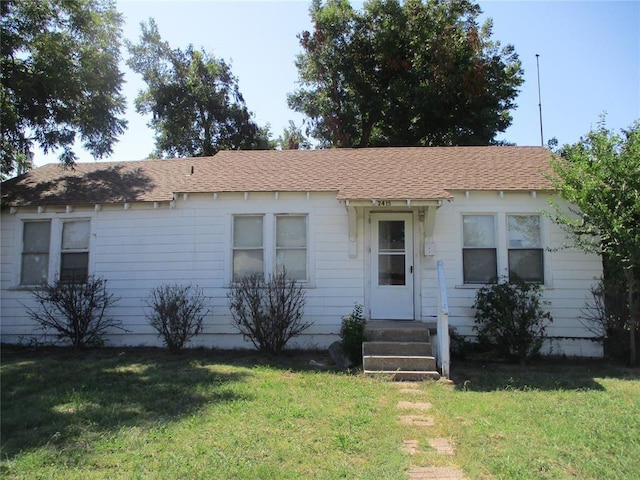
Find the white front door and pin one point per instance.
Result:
(391, 266)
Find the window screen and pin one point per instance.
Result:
(74, 255)
(525, 248)
(36, 237)
(479, 258)
(248, 251)
(291, 245)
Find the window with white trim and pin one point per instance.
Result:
(263, 244)
(291, 246)
(74, 252)
(55, 249)
(36, 240)
(248, 245)
(525, 253)
(479, 252)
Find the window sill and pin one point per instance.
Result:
(24, 288)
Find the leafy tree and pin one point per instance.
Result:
(601, 176)
(293, 138)
(412, 73)
(196, 105)
(60, 78)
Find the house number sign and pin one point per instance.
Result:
(383, 203)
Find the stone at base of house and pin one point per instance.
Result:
(338, 356)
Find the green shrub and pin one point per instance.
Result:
(268, 313)
(352, 334)
(76, 311)
(510, 317)
(177, 313)
(459, 345)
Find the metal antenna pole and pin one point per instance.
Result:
(539, 100)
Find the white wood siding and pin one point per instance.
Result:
(569, 273)
(142, 247)
(189, 241)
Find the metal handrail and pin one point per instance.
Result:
(443, 322)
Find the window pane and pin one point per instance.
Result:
(294, 261)
(391, 270)
(247, 231)
(390, 235)
(35, 237)
(291, 231)
(524, 231)
(35, 268)
(478, 231)
(35, 257)
(479, 265)
(74, 267)
(247, 262)
(75, 235)
(526, 264)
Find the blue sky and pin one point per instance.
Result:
(589, 61)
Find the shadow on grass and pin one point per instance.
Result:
(58, 397)
(546, 375)
(291, 360)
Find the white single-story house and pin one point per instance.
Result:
(357, 226)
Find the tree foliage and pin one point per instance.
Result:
(412, 73)
(600, 175)
(194, 99)
(293, 138)
(60, 78)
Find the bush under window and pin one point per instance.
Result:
(177, 313)
(269, 313)
(510, 317)
(76, 311)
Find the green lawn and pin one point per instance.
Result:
(551, 420)
(143, 413)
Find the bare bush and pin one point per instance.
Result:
(268, 313)
(76, 311)
(177, 313)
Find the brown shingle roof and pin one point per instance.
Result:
(424, 173)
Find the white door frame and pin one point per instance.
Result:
(393, 302)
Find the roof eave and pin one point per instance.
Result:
(395, 202)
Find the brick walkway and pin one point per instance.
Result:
(417, 420)
(414, 405)
(441, 446)
(435, 473)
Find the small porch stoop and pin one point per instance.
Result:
(399, 349)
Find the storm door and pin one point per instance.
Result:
(392, 266)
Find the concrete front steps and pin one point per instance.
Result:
(400, 350)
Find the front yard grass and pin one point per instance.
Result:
(552, 420)
(143, 413)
